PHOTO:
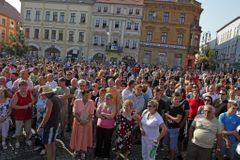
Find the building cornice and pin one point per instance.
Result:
(235, 19)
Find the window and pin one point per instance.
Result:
(47, 16)
(97, 23)
(28, 14)
(46, 34)
(60, 35)
(36, 33)
(95, 41)
(71, 36)
(99, 9)
(151, 15)
(54, 33)
(137, 12)
(178, 60)
(81, 37)
(37, 16)
(103, 41)
(164, 37)
(130, 12)
(136, 26)
(55, 16)
(180, 39)
(129, 25)
(73, 17)
(3, 22)
(127, 44)
(149, 36)
(118, 10)
(3, 35)
(134, 45)
(27, 32)
(116, 24)
(165, 17)
(104, 24)
(62, 15)
(83, 18)
(146, 58)
(182, 18)
(105, 9)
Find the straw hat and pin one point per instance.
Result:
(47, 89)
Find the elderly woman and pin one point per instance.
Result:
(81, 137)
(150, 125)
(105, 126)
(124, 133)
(204, 129)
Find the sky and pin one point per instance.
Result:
(215, 15)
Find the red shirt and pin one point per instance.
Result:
(193, 107)
(23, 114)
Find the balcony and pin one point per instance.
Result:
(114, 48)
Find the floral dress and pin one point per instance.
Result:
(124, 133)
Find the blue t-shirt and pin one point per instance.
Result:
(230, 123)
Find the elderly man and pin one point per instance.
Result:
(204, 130)
(50, 81)
(23, 76)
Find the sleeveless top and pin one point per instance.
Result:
(23, 114)
(106, 123)
(54, 118)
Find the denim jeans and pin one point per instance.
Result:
(171, 139)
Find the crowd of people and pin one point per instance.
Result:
(191, 115)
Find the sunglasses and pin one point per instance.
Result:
(208, 111)
(208, 100)
(150, 106)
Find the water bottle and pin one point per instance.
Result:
(153, 151)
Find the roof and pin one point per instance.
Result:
(235, 19)
(62, 1)
(127, 2)
(8, 10)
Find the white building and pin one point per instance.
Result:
(228, 45)
(56, 28)
(116, 30)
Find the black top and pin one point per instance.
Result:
(220, 107)
(161, 106)
(174, 111)
(54, 118)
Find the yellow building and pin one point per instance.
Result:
(9, 18)
(170, 33)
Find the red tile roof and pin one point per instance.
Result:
(8, 10)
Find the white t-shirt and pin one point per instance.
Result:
(151, 126)
(127, 94)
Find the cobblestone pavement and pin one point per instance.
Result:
(63, 153)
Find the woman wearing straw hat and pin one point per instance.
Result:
(50, 122)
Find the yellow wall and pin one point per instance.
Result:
(192, 13)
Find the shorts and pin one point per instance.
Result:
(27, 124)
(49, 135)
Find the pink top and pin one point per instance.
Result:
(105, 123)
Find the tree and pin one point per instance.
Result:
(207, 58)
(16, 45)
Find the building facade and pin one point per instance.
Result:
(228, 45)
(56, 28)
(170, 33)
(116, 30)
(9, 18)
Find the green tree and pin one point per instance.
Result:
(16, 45)
(207, 59)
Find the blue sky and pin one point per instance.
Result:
(215, 15)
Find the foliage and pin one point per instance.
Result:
(16, 45)
(207, 58)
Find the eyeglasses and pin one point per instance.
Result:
(208, 100)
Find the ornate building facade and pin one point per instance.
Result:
(116, 30)
(56, 28)
(9, 18)
(170, 33)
